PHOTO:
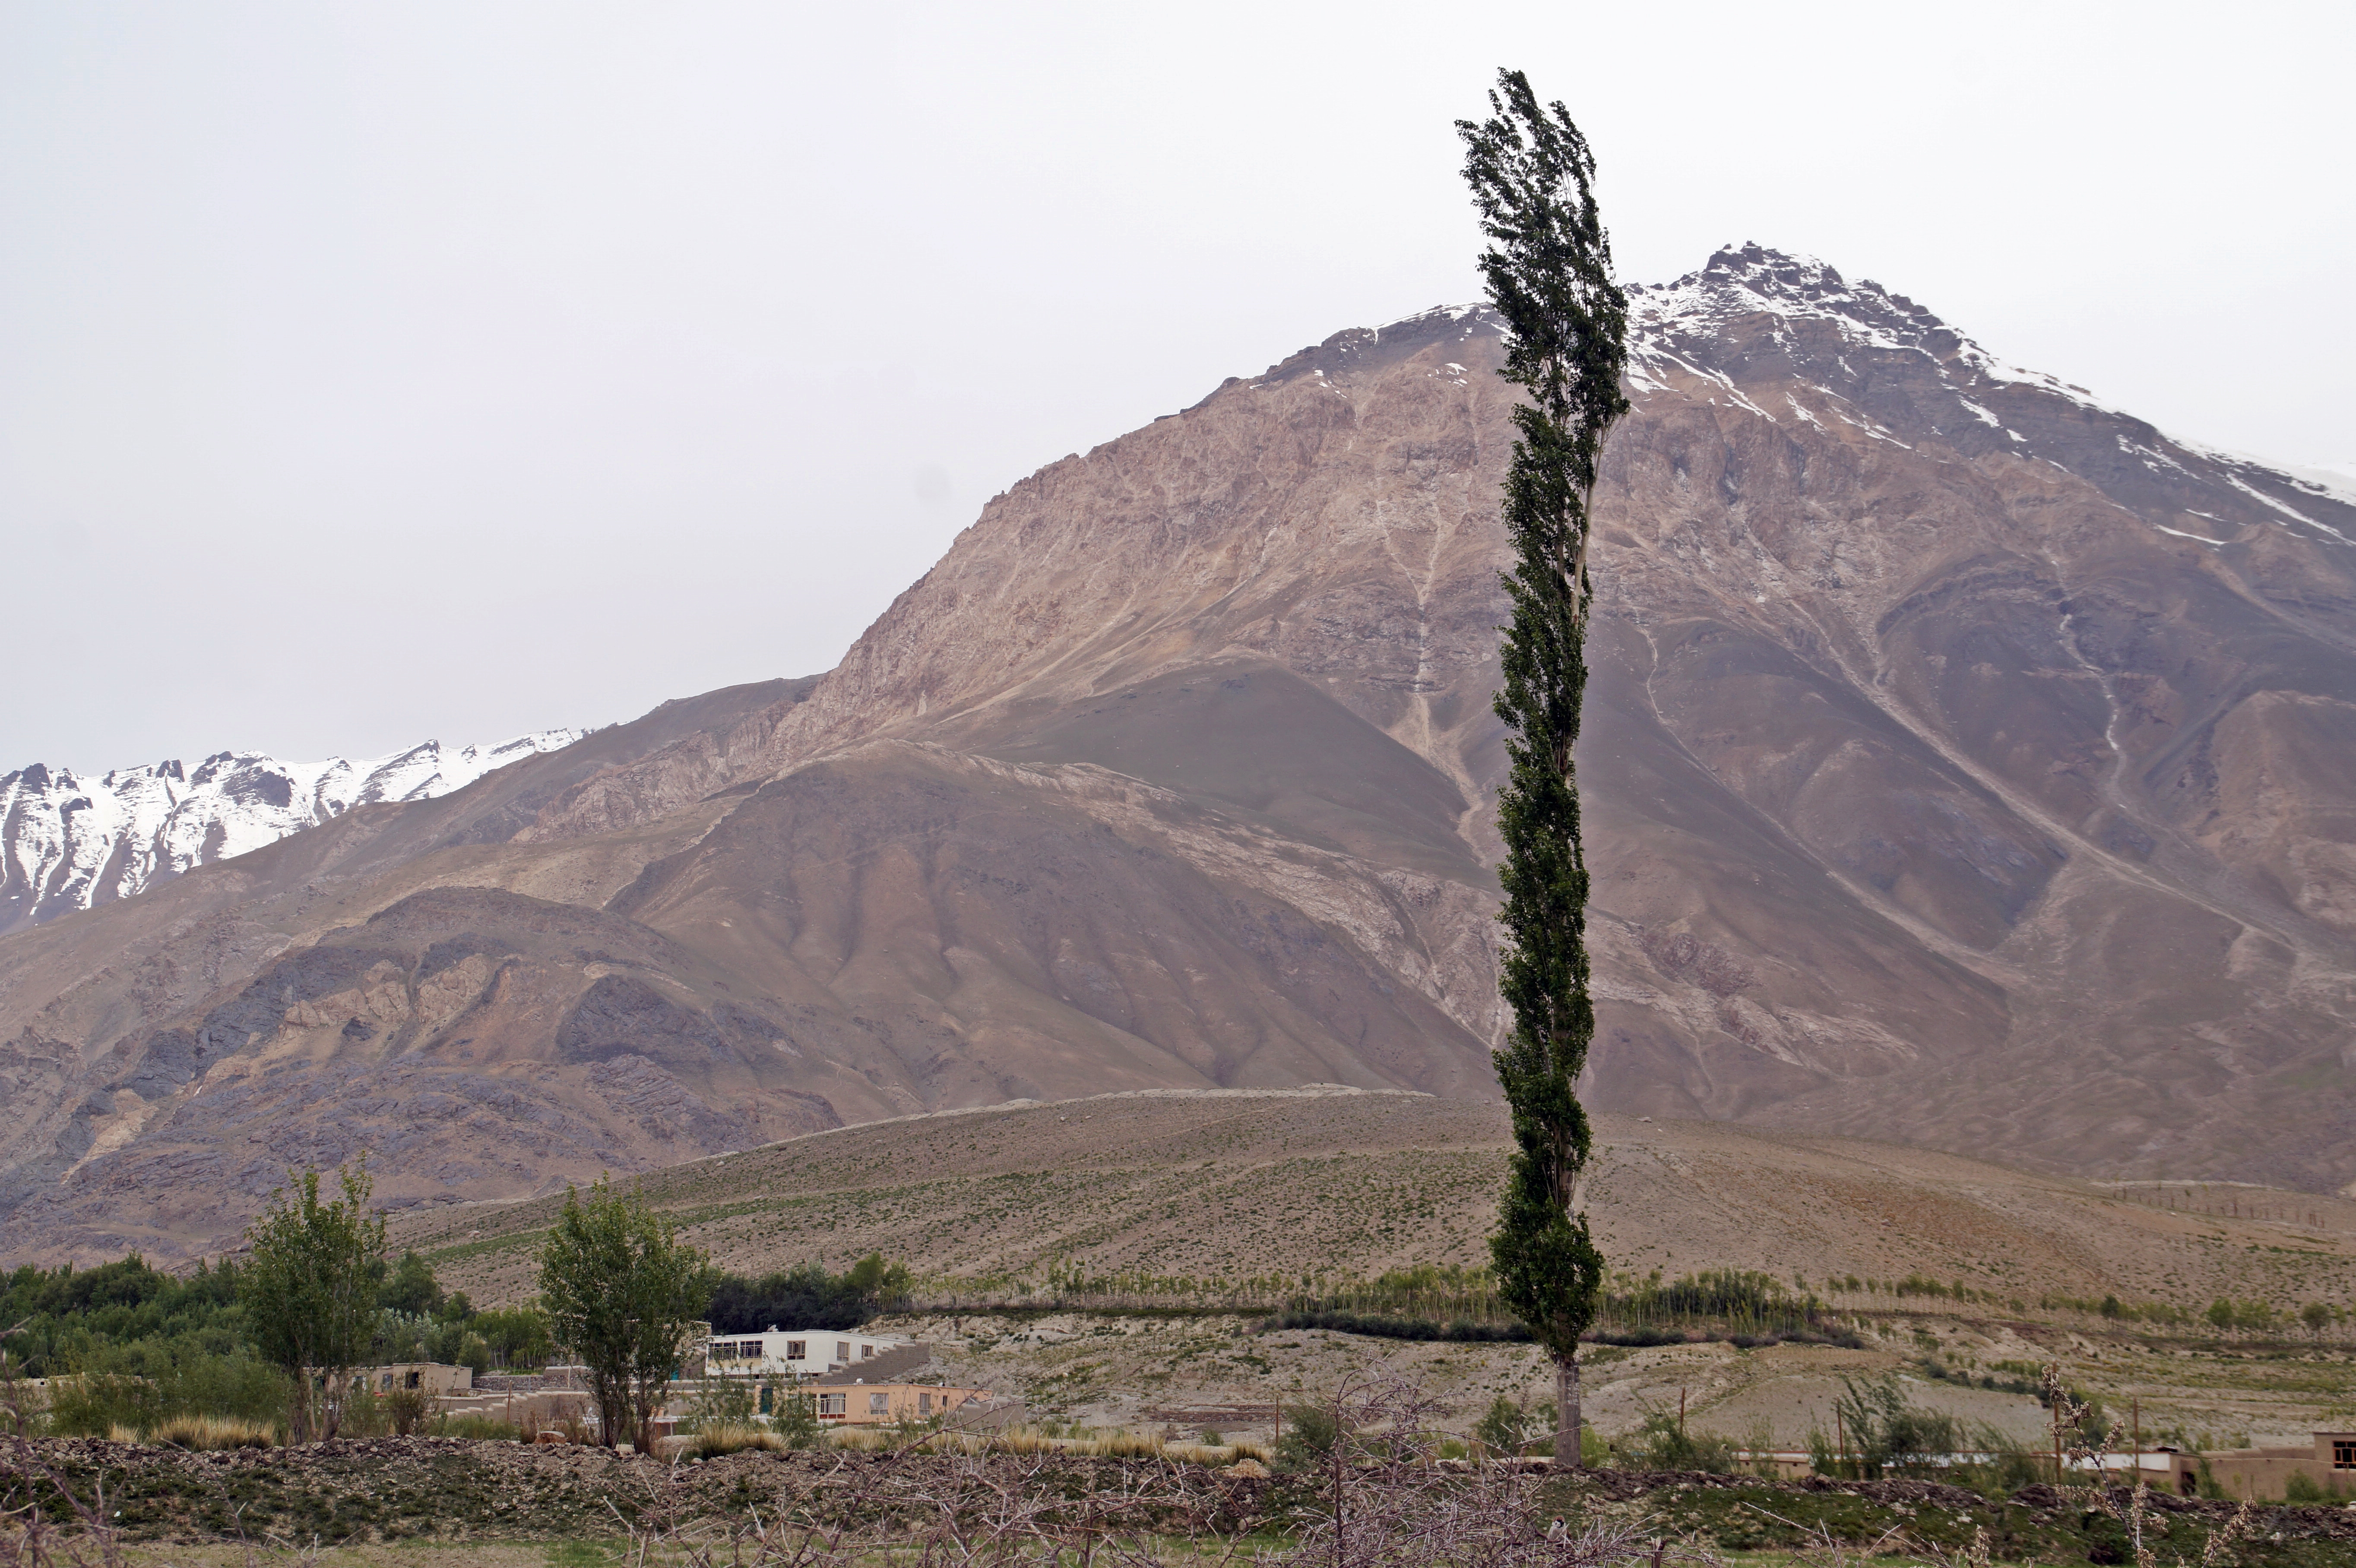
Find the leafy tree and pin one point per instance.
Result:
(310, 1293)
(876, 1284)
(1548, 268)
(794, 1417)
(411, 1288)
(517, 1336)
(621, 1290)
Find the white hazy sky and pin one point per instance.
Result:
(376, 372)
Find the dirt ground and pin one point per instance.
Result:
(1184, 1376)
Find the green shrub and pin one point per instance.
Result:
(1513, 1428)
(1663, 1443)
(1310, 1433)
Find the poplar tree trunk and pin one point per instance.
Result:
(1568, 1453)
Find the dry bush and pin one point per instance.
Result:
(2125, 1504)
(214, 1431)
(1020, 1441)
(406, 1410)
(716, 1438)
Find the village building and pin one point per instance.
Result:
(811, 1352)
(427, 1377)
(2261, 1475)
(884, 1404)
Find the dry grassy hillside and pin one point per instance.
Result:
(1232, 1185)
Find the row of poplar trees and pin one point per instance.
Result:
(1548, 271)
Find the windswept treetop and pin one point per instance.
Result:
(1548, 272)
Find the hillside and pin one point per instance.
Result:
(1969, 766)
(1241, 1184)
(1205, 1188)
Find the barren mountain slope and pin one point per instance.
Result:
(1967, 763)
(1952, 734)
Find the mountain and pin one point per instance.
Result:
(1969, 764)
(68, 842)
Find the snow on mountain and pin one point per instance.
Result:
(1877, 361)
(68, 842)
(1751, 279)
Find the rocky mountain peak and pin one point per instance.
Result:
(1753, 280)
(68, 842)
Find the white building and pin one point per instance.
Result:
(804, 1352)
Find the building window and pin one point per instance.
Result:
(2344, 1453)
(797, 1350)
(923, 1404)
(831, 1403)
(878, 1404)
(842, 1349)
(866, 1352)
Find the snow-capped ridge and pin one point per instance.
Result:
(68, 842)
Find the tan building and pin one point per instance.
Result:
(2262, 1474)
(882, 1405)
(431, 1377)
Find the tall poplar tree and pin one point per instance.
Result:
(1548, 269)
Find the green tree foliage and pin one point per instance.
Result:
(621, 1290)
(1310, 1435)
(64, 1316)
(145, 1383)
(793, 1415)
(310, 1293)
(1662, 1443)
(1548, 268)
(807, 1296)
(516, 1336)
(411, 1288)
(1880, 1430)
(142, 1347)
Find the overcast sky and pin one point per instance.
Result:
(370, 373)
